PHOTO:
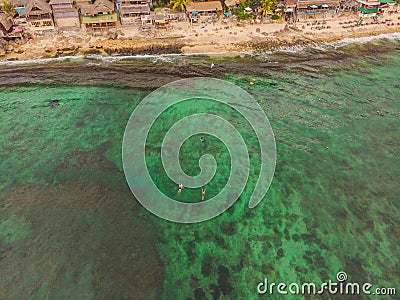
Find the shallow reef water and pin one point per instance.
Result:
(71, 228)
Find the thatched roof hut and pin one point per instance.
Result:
(37, 7)
(204, 7)
(99, 7)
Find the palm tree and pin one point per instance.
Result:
(267, 6)
(8, 8)
(180, 4)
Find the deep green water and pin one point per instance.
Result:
(71, 229)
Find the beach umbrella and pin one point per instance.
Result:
(325, 6)
(314, 7)
(195, 12)
(248, 9)
(227, 13)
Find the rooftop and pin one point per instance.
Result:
(231, 3)
(289, 3)
(204, 6)
(100, 6)
(41, 8)
(135, 9)
(60, 2)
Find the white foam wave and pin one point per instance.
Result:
(95, 59)
(322, 46)
(364, 40)
(99, 58)
(39, 61)
(171, 57)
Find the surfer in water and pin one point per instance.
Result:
(203, 193)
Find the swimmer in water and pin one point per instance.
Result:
(180, 187)
(202, 139)
(203, 193)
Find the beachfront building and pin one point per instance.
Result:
(311, 9)
(38, 16)
(386, 6)
(349, 5)
(289, 10)
(146, 20)
(175, 16)
(368, 9)
(99, 16)
(205, 8)
(157, 20)
(160, 20)
(19, 6)
(131, 11)
(371, 9)
(65, 14)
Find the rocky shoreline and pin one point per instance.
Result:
(12, 51)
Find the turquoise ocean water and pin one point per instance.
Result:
(71, 229)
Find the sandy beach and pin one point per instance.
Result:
(220, 38)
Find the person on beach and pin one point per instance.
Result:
(203, 193)
(180, 187)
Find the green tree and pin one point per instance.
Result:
(267, 6)
(180, 4)
(8, 8)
